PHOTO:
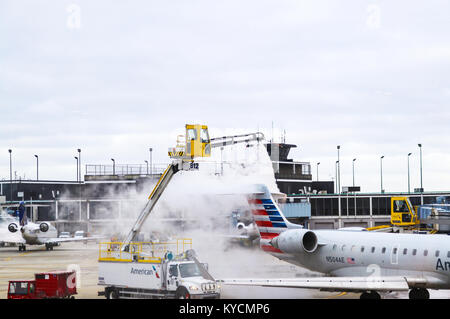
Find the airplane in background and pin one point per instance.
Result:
(38, 234)
(250, 231)
(354, 261)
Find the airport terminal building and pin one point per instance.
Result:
(82, 205)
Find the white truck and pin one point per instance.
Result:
(127, 271)
(155, 273)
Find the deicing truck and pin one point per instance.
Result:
(152, 270)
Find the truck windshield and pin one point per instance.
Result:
(189, 270)
(18, 288)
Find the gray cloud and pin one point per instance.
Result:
(371, 76)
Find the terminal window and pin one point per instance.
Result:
(381, 206)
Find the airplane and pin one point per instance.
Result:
(38, 234)
(249, 231)
(353, 260)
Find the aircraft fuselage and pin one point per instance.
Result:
(32, 234)
(361, 253)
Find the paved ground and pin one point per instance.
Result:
(23, 265)
(232, 263)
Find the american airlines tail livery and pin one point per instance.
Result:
(353, 260)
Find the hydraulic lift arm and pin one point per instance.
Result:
(198, 140)
(171, 170)
(235, 139)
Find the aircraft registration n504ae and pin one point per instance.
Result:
(355, 261)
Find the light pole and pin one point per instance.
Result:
(76, 157)
(409, 190)
(79, 163)
(353, 168)
(37, 167)
(339, 170)
(151, 162)
(79, 181)
(147, 165)
(318, 163)
(421, 185)
(336, 169)
(114, 166)
(381, 172)
(221, 160)
(10, 175)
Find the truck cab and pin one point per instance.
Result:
(402, 212)
(188, 281)
(154, 270)
(22, 289)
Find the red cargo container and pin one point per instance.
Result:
(57, 284)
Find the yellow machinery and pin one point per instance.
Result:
(403, 214)
(196, 144)
(142, 251)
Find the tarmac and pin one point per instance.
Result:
(23, 265)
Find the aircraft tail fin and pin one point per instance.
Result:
(269, 218)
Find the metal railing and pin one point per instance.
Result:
(297, 175)
(146, 252)
(125, 169)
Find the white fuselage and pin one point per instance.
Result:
(362, 253)
(34, 236)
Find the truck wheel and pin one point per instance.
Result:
(182, 293)
(112, 294)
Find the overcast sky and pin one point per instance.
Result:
(115, 78)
